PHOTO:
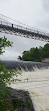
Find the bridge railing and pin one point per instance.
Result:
(5, 23)
(23, 27)
(15, 26)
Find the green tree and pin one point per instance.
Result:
(36, 54)
(4, 43)
(26, 56)
(19, 57)
(32, 55)
(6, 76)
(45, 51)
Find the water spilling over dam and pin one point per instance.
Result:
(37, 83)
(26, 65)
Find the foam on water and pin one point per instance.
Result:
(37, 83)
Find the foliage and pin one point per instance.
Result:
(6, 76)
(36, 54)
(45, 51)
(22, 104)
(4, 43)
(20, 57)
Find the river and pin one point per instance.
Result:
(27, 65)
(37, 83)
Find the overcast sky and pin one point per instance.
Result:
(34, 13)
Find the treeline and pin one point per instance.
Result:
(36, 54)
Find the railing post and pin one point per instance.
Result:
(12, 25)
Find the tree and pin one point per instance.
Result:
(36, 54)
(6, 76)
(4, 43)
(26, 56)
(45, 51)
(19, 57)
(32, 55)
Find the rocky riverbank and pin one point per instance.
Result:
(18, 100)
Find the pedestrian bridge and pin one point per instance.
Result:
(10, 26)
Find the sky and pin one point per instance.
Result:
(34, 13)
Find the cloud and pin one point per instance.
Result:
(26, 11)
(9, 55)
(42, 22)
(46, 5)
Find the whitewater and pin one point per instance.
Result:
(37, 84)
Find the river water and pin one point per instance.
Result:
(37, 83)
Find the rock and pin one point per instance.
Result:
(21, 100)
